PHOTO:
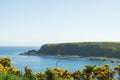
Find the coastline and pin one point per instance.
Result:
(112, 60)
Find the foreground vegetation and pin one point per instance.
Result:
(90, 72)
(82, 49)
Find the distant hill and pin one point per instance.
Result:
(83, 49)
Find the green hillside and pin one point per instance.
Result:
(83, 49)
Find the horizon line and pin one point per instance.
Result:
(30, 45)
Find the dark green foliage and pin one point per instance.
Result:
(83, 49)
(51, 74)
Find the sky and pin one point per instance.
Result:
(36, 22)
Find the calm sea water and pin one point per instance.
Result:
(37, 63)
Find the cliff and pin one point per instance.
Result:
(83, 49)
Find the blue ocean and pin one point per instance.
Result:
(39, 64)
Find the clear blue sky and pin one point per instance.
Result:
(36, 22)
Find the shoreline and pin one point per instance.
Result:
(112, 60)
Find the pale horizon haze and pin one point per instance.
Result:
(36, 22)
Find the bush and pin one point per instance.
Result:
(90, 72)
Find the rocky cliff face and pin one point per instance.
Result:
(84, 49)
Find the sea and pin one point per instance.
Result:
(40, 63)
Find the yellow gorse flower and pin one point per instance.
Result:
(1, 67)
(90, 72)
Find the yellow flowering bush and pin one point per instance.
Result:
(6, 66)
(103, 72)
(1, 67)
(67, 75)
(87, 72)
(77, 75)
(90, 72)
(41, 76)
(6, 62)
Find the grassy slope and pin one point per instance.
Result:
(84, 49)
(81, 48)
